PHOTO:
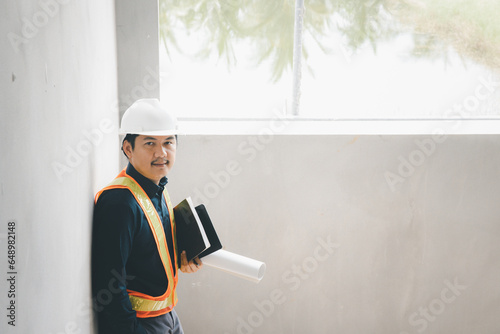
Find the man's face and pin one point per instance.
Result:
(152, 156)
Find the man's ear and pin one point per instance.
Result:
(127, 148)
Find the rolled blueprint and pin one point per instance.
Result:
(235, 264)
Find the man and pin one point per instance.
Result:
(134, 253)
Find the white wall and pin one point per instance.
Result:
(138, 50)
(393, 254)
(420, 256)
(59, 120)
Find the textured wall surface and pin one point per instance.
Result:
(369, 234)
(58, 126)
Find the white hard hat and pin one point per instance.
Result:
(148, 117)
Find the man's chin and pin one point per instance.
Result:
(160, 171)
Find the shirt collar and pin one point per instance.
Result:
(149, 186)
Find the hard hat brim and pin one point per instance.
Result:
(150, 133)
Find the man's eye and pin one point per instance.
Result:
(149, 143)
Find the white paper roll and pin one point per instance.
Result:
(235, 264)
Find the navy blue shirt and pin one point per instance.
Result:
(124, 254)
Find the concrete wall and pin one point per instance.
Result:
(59, 118)
(137, 39)
(367, 234)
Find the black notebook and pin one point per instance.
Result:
(194, 230)
(213, 238)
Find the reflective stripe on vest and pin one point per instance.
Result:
(144, 305)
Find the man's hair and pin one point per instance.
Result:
(131, 139)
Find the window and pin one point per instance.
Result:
(359, 60)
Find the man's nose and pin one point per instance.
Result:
(161, 151)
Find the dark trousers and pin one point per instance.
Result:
(164, 324)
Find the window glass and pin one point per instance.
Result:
(373, 59)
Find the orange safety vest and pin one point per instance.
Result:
(144, 305)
